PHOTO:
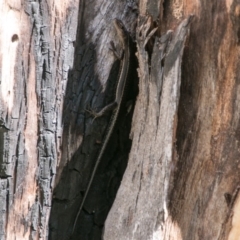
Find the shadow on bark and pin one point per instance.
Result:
(84, 91)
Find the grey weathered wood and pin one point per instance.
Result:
(48, 76)
(3, 206)
(139, 210)
(37, 51)
(90, 85)
(202, 200)
(54, 75)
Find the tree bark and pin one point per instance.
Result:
(182, 179)
(182, 153)
(147, 178)
(37, 46)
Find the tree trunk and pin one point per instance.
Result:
(182, 178)
(37, 45)
(178, 141)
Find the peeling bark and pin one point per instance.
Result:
(91, 85)
(34, 65)
(146, 181)
(182, 164)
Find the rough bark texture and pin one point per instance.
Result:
(195, 193)
(55, 63)
(182, 178)
(147, 178)
(91, 86)
(36, 44)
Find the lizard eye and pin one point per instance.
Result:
(119, 23)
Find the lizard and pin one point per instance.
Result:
(121, 84)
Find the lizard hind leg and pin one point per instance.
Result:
(107, 108)
(92, 113)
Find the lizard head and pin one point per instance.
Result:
(121, 30)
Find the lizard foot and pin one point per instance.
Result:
(93, 113)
